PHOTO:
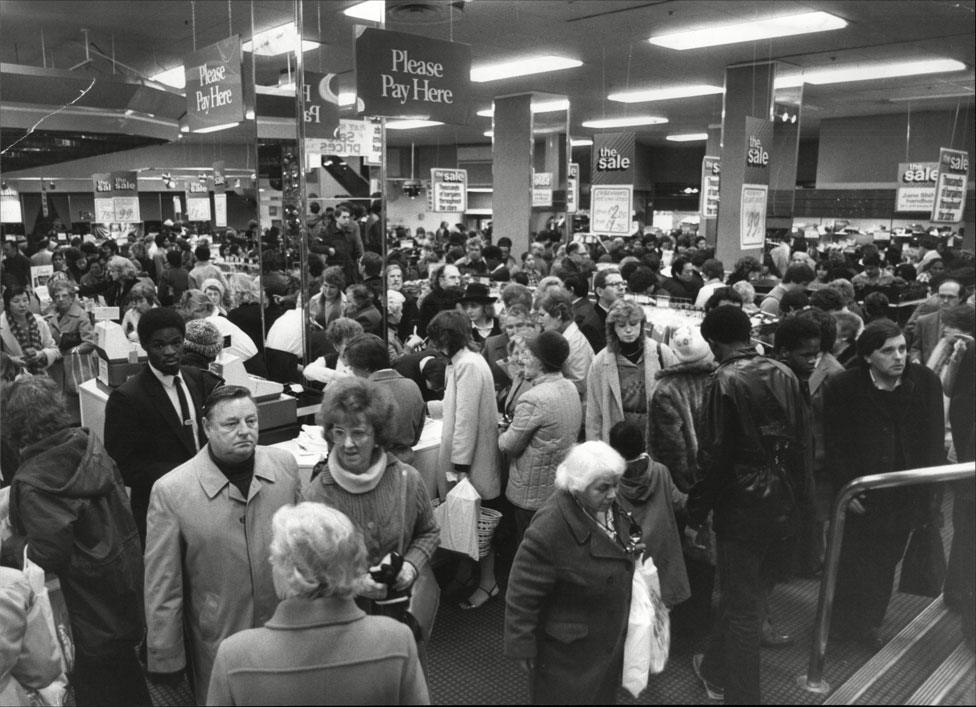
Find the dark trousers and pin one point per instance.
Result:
(523, 517)
(110, 680)
(747, 570)
(870, 552)
(960, 572)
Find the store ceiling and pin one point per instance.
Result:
(609, 36)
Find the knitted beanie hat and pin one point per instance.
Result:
(203, 338)
(550, 347)
(689, 345)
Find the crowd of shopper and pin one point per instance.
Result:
(600, 438)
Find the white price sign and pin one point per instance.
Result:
(752, 225)
(198, 209)
(220, 210)
(105, 210)
(611, 207)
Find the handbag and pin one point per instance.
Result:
(923, 566)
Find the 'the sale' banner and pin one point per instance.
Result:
(950, 187)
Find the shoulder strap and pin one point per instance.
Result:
(403, 506)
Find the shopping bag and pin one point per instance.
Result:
(923, 566)
(648, 629)
(458, 517)
(57, 691)
(78, 368)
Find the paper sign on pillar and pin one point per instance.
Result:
(755, 183)
(612, 179)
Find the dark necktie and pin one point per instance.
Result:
(186, 420)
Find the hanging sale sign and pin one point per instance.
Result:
(321, 105)
(448, 190)
(116, 197)
(572, 191)
(542, 189)
(409, 76)
(611, 207)
(353, 138)
(950, 186)
(214, 95)
(708, 197)
(916, 186)
(197, 201)
(613, 158)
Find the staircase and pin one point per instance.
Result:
(926, 664)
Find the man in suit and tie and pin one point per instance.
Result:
(152, 421)
(928, 328)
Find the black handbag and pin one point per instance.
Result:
(923, 566)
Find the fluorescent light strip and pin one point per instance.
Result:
(277, 40)
(624, 122)
(581, 142)
(174, 78)
(347, 98)
(521, 67)
(216, 128)
(370, 10)
(665, 94)
(932, 96)
(540, 107)
(410, 124)
(687, 137)
(868, 72)
(735, 33)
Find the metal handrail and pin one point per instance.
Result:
(813, 680)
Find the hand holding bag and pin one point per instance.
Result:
(458, 517)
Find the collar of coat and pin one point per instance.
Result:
(585, 532)
(213, 480)
(298, 613)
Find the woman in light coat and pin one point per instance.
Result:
(319, 647)
(469, 445)
(545, 425)
(622, 377)
(24, 336)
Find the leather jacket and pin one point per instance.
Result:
(753, 454)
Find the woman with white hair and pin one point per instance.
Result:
(568, 595)
(319, 647)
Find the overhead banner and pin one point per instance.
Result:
(542, 189)
(116, 197)
(572, 188)
(710, 178)
(916, 186)
(353, 138)
(613, 158)
(402, 75)
(449, 190)
(321, 105)
(950, 187)
(611, 207)
(214, 95)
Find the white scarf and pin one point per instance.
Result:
(357, 483)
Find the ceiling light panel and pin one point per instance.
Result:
(521, 67)
(687, 137)
(665, 94)
(625, 122)
(537, 107)
(867, 72)
(174, 78)
(371, 11)
(735, 33)
(410, 124)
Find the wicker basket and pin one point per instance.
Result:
(487, 522)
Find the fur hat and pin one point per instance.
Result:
(689, 345)
(550, 347)
(202, 337)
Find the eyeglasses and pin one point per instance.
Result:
(357, 435)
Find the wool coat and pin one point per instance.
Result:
(322, 651)
(604, 401)
(208, 573)
(676, 412)
(545, 425)
(567, 603)
(470, 434)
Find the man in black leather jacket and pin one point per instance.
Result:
(753, 461)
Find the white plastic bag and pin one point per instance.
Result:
(57, 691)
(648, 630)
(457, 517)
